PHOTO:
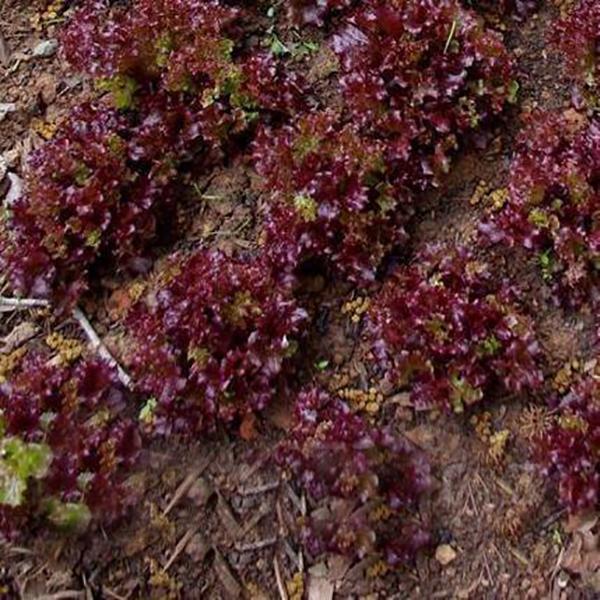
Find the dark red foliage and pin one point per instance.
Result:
(555, 201)
(447, 333)
(416, 78)
(331, 196)
(179, 46)
(419, 75)
(366, 481)
(78, 411)
(569, 449)
(266, 83)
(96, 191)
(578, 36)
(314, 12)
(182, 43)
(213, 336)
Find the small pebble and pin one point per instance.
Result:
(6, 108)
(3, 168)
(45, 49)
(445, 554)
(15, 190)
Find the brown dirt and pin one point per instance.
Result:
(236, 520)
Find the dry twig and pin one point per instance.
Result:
(99, 346)
(66, 595)
(186, 484)
(280, 587)
(11, 304)
(183, 542)
(251, 547)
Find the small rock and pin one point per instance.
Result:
(403, 399)
(46, 88)
(562, 580)
(46, 49)
(15, 191)
(12, 157)
(445, 554)
(3, 168)
(6, 108)
(338, 358)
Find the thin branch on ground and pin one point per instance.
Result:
(185, 486)
(99, 346)
(259, 545)
(66, 595)
(10, 304)
(279, 579)
(181, 545)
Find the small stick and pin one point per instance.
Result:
(183, 542)
(488, 569)
(256, 519)
(98, 345)
(256, 545)
(67, 595)
(519, 556)
(300, 553)
(290, 553)
(8, 304)
(550, 520)
(113, 594)
(280, 587)
(504, 487)
(185, 486)
(260, 489)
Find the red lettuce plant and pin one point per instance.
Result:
(420, 75)
(96, 191)
(330, 196)
(446, 332)
(66, 446)
(366, 482)
(578, 36)
(212, 338)
(569, 449)
(183, 44)
(554, 202)
(179, 46)
(266, 83)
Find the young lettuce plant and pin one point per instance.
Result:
(213, 336)
(95, 194)
(66, 445)
(366, 482)
(569, 448)
(449, 335)
(180, 47)
(554, 200)
(421, 75)
(578, 37)
(330, 196)
(517, 8)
